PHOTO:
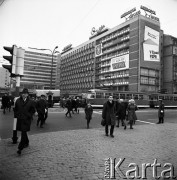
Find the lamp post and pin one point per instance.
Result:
(52, 52)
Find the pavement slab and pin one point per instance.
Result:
(81, 154)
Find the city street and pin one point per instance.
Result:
(84, 154)
(58, 122)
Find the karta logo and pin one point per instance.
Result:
(114, 170)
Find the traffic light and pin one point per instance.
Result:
(12, 59)
(19, 70)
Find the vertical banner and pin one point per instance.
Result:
(98, 50)
(151, 44)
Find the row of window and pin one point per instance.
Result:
(119, 32)
(148, 80)
(77, 86)
(80, 50)
(149, 72)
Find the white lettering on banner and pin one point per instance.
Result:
(120, 63)
(151, 44)
(151, 35)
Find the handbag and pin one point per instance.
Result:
(103, 122)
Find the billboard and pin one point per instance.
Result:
(151, 44)
(120, 63)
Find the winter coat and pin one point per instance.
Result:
(5, 101)
(131, 114)
(161, 110)
(41, 105)
(69, 104)
(24, 111)
(88, 112)
(121, 110)
(109, 113)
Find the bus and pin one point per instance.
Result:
(97, 97)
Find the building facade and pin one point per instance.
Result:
(5, 78)
(39, 70)
(169, 68)
(124, 58)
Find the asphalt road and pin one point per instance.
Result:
(58, 122)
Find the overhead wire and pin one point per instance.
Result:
(84, 17)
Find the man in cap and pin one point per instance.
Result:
(23, 111)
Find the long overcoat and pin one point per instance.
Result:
(131, 112)
(41, 105)
(161, 110)
(24, 111)
(88, 112)
(109, 112)
(121, 110)
(5, 101)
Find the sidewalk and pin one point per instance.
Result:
(81, 154)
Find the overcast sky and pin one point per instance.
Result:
(50, 23)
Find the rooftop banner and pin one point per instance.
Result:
(120, 63)
(151, 44)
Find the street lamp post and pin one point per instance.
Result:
(52, 52)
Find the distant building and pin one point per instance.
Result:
(37, 70)
(169, 68)
(124, 58)
(5, 79)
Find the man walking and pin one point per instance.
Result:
(41, 107)
(121, 112)
(161, 112)
(109, 115)
(23, 111)
(5, 102)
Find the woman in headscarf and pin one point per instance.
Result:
(131, 114)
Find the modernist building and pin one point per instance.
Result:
(5, 79)
(169, 68)
(124, 58)
(38, 70)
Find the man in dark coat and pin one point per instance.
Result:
(88, 113)
(109, 115)
(41, 107)
(161, 112)
(121, 112)
(5, 102)
(23, 111)
(69, 107)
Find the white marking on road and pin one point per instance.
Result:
(145, 122)
(136, 120)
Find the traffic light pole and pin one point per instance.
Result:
(15, 138)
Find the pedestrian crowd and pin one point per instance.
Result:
(7, 102)
(114, 113)
(123, 113)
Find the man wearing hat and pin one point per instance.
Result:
(23, 111)
(41, 107)
(161, 112)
